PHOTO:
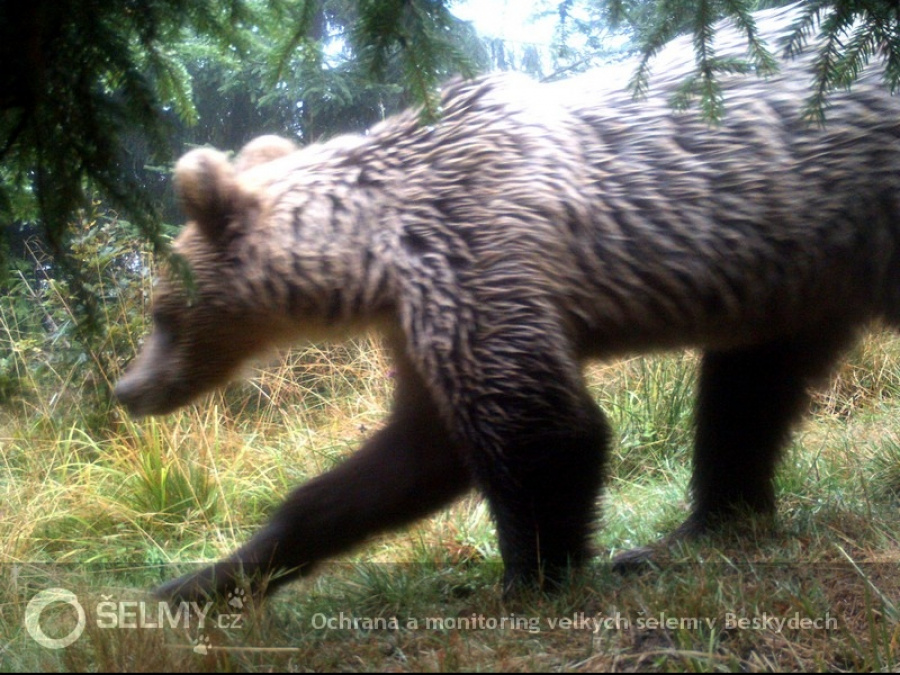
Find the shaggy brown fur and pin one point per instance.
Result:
(531, 227)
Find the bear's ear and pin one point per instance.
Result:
(261, 150)
(206, 186)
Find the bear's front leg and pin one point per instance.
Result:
(543, 493)
(537, 441)
(407, 470)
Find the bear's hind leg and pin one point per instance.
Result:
(749, 401)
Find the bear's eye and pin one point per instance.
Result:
(164, 323)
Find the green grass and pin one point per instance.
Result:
(108, 507)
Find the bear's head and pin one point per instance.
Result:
(207, 321)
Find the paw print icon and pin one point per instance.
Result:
(235, 599)
(203, 645)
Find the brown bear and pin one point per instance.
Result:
(530, 227)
